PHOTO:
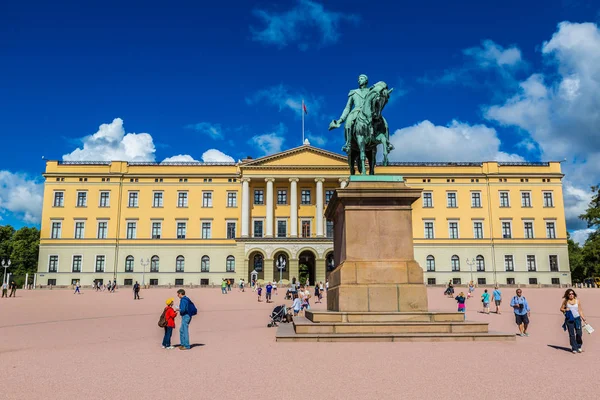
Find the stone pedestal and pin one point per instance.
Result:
(373, 245)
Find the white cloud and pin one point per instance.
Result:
(272, 142)
(580, 236)
(457, 141)
(111, 143)
(214, 155)
(316, 140)
(21, 197)
(491, 54)
(215, 131)
(180, 158)
(307, 22)
(284, 98)
(559, 110)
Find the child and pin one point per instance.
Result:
(259, 290)
(296, 305)
(460, 299)
(170, 315)
(485, 299)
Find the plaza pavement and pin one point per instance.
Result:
(57, 345)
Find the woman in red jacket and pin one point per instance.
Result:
(170, 315)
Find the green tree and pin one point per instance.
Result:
(6, 234)
(592, 214)
(575, 260)
(25, 250)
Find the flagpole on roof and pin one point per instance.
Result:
(302, 111)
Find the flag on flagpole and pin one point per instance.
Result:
(304, 107)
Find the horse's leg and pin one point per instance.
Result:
(384, 142)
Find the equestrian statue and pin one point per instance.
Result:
(365, 128)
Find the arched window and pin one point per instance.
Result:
(455, 263)
(154, 264)
(430, 263)
(205, 264)
(258, 262)
(480, 263)
(330, 262)
(129, 261)
(230, 264)
(179, 264)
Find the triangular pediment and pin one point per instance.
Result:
(306, 156)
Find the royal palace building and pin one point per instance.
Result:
(184, 223)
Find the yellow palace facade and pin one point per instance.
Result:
(196, 223)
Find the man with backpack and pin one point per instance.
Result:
(187, 310)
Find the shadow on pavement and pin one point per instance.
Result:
(559, 348)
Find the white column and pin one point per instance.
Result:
(26, 280)
(245, 206)
(34, 280)
(270, 209)
(294, 207)
(343, 182)
(320, 201)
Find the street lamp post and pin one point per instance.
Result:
(280, 267)
(144, 265)
(5, 265)
(470, 264)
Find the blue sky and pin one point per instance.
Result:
(478, 81)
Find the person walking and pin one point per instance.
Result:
(224, 287)
(114, 286)
(229, 283)
(317, 294)
(571, 308)
(187, 310)
(497, 294)
(297, 304)
(485, 299)
(170, 315)
(136, 291)
(522, 312)
(269, 289)
(5, 289)
(13, 289)
(77, 288)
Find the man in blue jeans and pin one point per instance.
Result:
(186, 318)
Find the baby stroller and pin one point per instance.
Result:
(288, 294)
(279, 314)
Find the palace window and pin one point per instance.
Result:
(59, 199)
(230, 264)
(550, 230)
(506, 230)
(56, 230)
(531, 264)
(206, 199)
(231, 199)
(259, 197)
(430, 263)
(129, 263)
(553, 260)
(429, 230)
(53, 264)
(79, 230)
(329, 229)
(455, 263)
(476, 199)
(528, 229)
(504, 199)
(480, 263)
(305, 228)
(206, 230)
(427, 200)
(478, 230)
(179, 264)
(131, 230)
(133, 199)
(548, 199)
(181, 230)
(281, 228)
(154, 264)
(453, 230)
(102, 229)
(258, 229)
(104, 199)
(76, 267)
(182, 199)
(525, 199)
(100, 263)
(509, 264)
(257, 262)
(328, 195)
(156, 230)
(205, 264)
(231, 230)
(281, 196)
(305, 197)
(157, 201)
(81, 199)
(451, 199)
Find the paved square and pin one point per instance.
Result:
(56, 345)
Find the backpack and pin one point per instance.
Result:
(191, 308)
(162, 321)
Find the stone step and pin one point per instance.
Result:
(305, 326)
(286, 333)
(363, 317)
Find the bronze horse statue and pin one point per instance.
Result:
(368, 130)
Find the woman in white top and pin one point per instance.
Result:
(571, 307)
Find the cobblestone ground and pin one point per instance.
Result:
(57, 345)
